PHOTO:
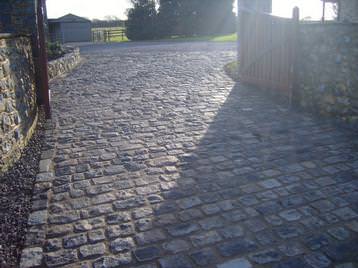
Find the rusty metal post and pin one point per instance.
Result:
(42, 58)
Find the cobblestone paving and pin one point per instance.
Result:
(163, 161)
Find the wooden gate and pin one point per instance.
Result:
(267, 49)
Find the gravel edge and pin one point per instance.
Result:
(32, 253)
(16, 187)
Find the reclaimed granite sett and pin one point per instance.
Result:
(157, 163)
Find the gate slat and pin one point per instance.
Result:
(267, 50)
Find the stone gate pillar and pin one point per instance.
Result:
(18, 17)
(21, 17)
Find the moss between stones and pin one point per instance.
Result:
(232, 70)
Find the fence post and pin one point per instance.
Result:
(294, 47)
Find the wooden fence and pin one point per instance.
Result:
(107, 35)
(267, 50)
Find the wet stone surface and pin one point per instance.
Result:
(163, 161)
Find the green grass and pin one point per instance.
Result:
(113, 39)
(119, 39)
(225, 38)
(212, 38)
(107, 28)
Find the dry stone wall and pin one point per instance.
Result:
(64, 64)
(18, 109)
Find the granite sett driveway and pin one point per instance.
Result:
(162, 161)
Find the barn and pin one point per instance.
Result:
(69, 28)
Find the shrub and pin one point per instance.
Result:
(54, 50)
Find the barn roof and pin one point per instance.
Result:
(70, 18)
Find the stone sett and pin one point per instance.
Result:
(158, 163)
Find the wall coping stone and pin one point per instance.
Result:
(328, 24)
(13, 35)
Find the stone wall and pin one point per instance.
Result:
(18, 109)
(18, 16)
(64, 64)
(349, 11)
(328, 69)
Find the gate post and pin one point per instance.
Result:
(42, 72)
(294, 40)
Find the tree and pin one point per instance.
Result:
(196, 17)
(142, 18)
(168, 16)
(179, 17)
(219, 17)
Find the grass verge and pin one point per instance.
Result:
(113, 39)
(212, 38)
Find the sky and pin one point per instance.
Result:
(100, 8)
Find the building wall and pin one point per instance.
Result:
(18, 109)
(76, 31)
(328, 69)
(55, 32)
(349, 10)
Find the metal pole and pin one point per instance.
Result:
(42, 54)
(324, 10)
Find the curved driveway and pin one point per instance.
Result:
(163, 161)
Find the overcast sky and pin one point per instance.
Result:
(101, 8)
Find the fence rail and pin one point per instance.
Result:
(107, 35)
(267, 50)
